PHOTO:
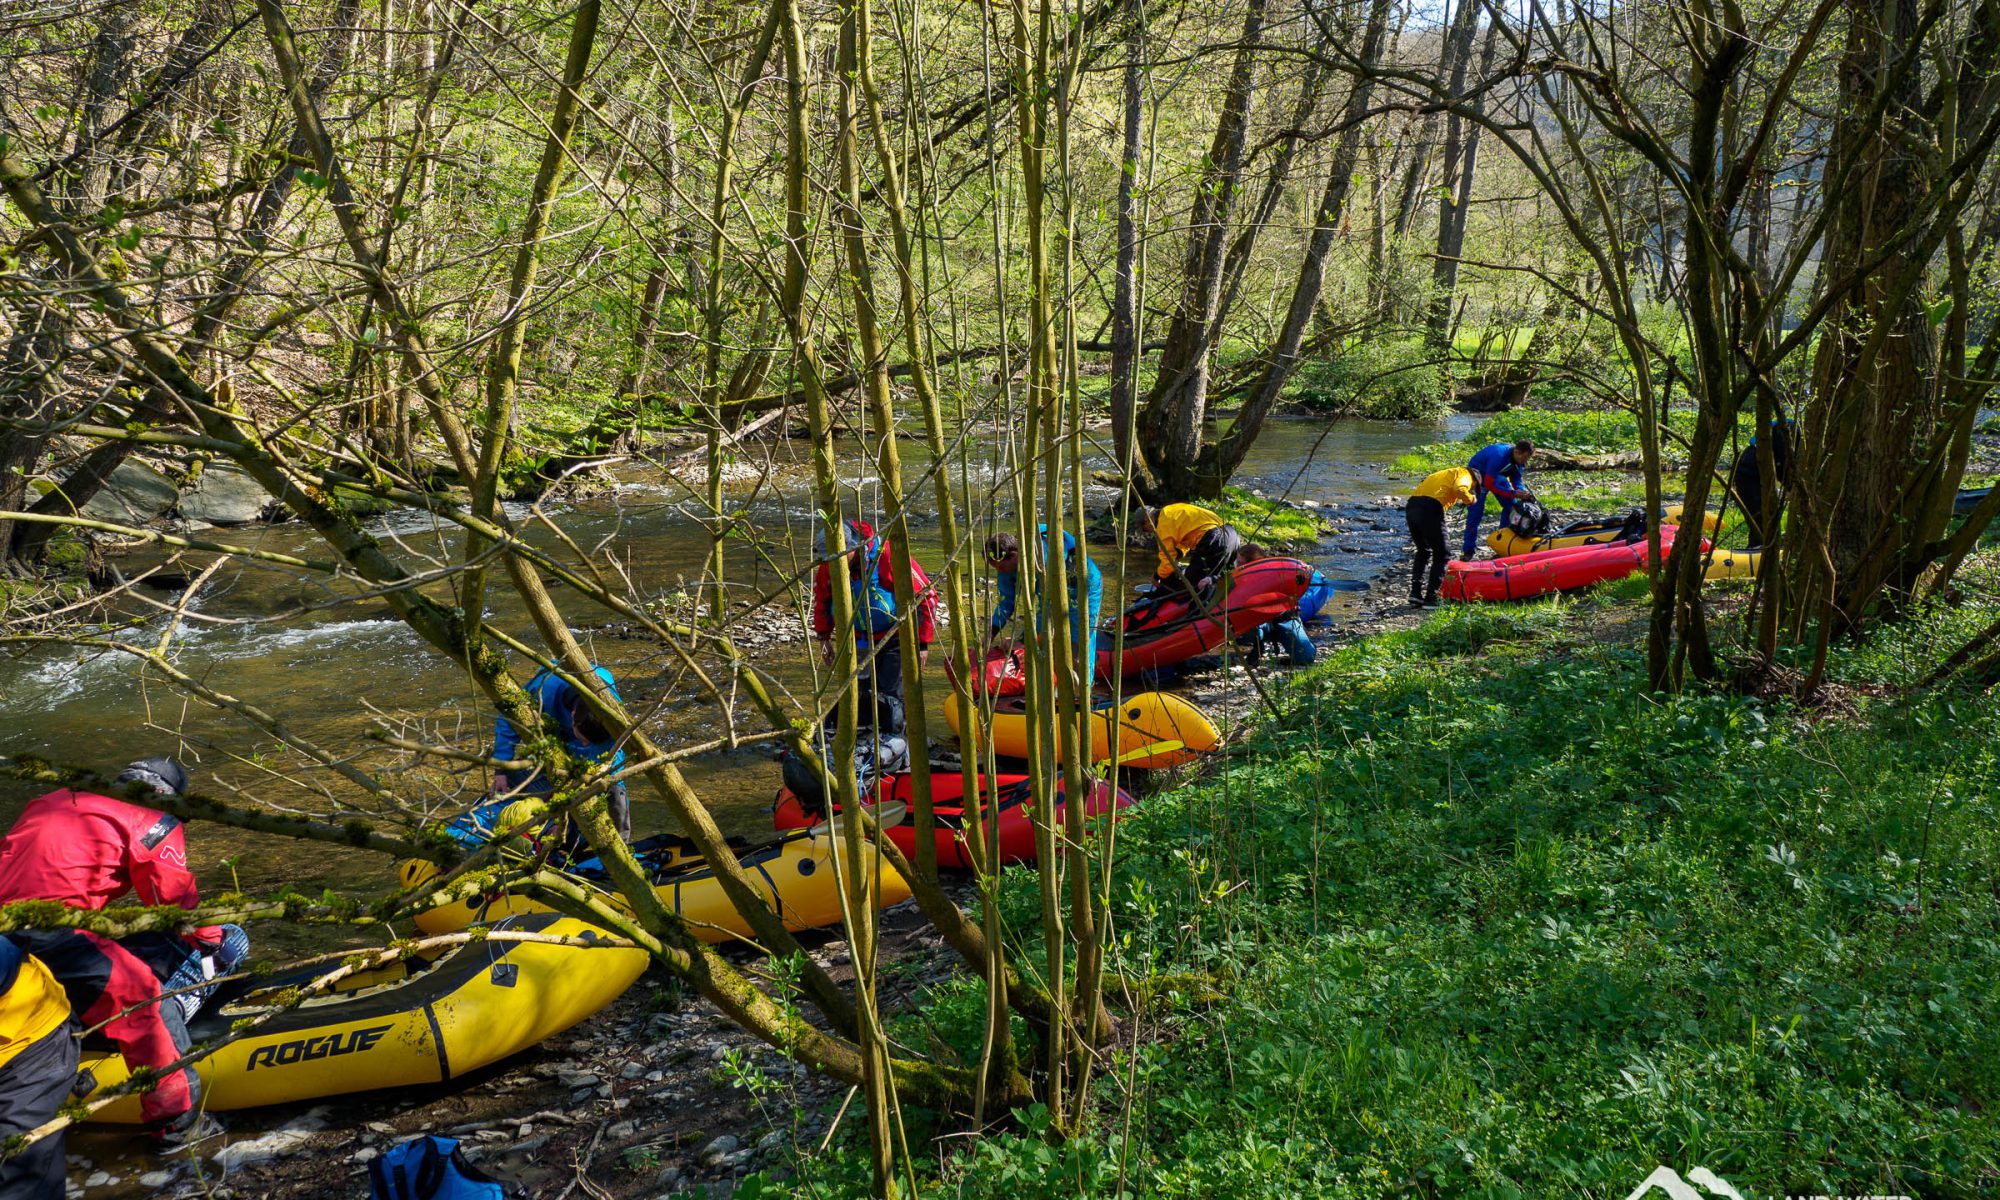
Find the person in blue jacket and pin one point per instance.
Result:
(1003, 554)
(583, 733)
(1495, 469)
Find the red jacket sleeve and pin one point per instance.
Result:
(822, 619)
(160, 872)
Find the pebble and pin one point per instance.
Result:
(717, 1150)
(670, 1177)
(656, 1076)
(622, 1130)
(579, 1096)
(771, 1140)
(738, 1159)
(156, 1179)
(578, 1079)
(632, 1070)
(98, 1179)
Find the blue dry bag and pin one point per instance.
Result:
(431, 1168)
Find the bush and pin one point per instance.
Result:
(1389, 379)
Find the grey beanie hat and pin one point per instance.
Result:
(163, 773)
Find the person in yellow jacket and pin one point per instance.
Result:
(1208, 543)
(37, 1068)
(1424, 511)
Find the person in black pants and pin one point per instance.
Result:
(1424, 511)
(1746, 479)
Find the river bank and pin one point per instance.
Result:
(1482, 919)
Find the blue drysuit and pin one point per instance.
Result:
(1314, 598)
(1493, 470)
(556, 698)
(1082, 617)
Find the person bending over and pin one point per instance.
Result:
(583, 734)
(1003, 554)
(1196, 546)
(88, 851)
(1495, 470)
(1288, 632)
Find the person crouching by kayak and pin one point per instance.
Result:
(1424, 513)
(1208, 543)
(1003, 554)
(1495, 470)
(583, 735)
(871, 577)
(1288, 632)
(87, 851)
(37, 1070)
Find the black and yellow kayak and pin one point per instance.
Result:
(1153, 729)
(793, 874)
(1594, 531)
(423, 1020)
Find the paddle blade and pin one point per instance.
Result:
(885, 815)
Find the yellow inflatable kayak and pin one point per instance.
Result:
(1595, 532)
(1147, 719)
(1732, 564)
(794, 876)
(425, 1020)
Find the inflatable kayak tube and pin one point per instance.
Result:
(422, 1021)
(1594, 531)
(1524, 577)
(793, 875)
(1147, 719)
(1160, 632)
(1731, 564)
(1969, 499)
(1004, 799)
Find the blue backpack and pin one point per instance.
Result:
(874, 605)
(431, 1168)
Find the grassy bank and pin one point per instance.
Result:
(1487, 919)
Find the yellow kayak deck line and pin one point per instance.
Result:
(794, 876)
(1180, 731)
(424, 1020)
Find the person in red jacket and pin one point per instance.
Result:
(87, 851)
(871, 575)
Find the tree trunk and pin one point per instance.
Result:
(1169, 426)
(1125, 298)
(1221, 461)
(1461, 153)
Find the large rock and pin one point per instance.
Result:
(223, 495)
(134, 495)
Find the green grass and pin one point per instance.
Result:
(1493, 921)
(1271, 523)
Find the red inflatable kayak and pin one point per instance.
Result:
(1008, 792)
(1525, 576)
(1160, 632)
